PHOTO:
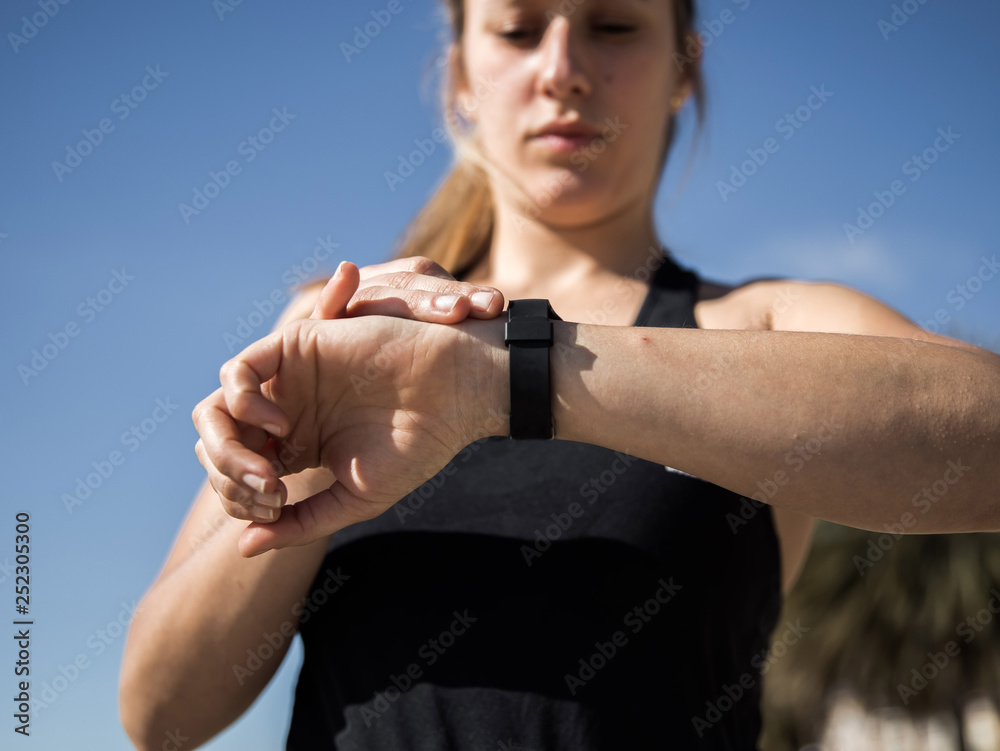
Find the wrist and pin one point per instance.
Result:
(483, 385)
(568, 361)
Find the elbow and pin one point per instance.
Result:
(152, 727)
(151, 720)
(137, 711)
(133, 716)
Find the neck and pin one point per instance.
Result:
(529, 253)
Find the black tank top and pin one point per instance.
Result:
(545, 595)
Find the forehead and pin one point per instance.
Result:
(562, 6)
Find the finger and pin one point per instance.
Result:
(421, 273)
(478, 294)
(237, 499)
(252, 513)
(222, 448)
(413, 265)
(332, 302)
(242, 377)
(318, 516)
(418, 305)
(425, 299)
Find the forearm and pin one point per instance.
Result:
(186, 664)
(847, 428)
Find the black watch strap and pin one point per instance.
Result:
(528, 336)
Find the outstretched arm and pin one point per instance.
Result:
(861, 429)
(855, 429)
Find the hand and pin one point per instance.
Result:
(415, 288)
(382, 403)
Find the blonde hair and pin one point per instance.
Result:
(455, 227)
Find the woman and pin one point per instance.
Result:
(614, 588)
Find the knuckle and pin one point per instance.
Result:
(399, 279)
(421, 264)
(228, 370)
(235, 510)
(426, 266)
(366, 293)
(232, 491)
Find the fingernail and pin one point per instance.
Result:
(272, 500)
(271, 428)
(339, 267)
(481, 300)
(264, 514)
(445, 302)
(255, 482)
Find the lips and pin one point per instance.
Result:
(572, 130)
(565, 137)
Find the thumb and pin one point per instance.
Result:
(339, 290)
(301, 523)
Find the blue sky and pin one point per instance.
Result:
(136, 300)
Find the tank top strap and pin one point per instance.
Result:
(671, 297)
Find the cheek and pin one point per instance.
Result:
(501, 98)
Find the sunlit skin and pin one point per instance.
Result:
(905, 401)
(606, 64)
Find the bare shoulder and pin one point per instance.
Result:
(751, 305)
(799, 305)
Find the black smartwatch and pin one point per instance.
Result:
(528, 336)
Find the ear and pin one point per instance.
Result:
(461, 91)
(686, 59)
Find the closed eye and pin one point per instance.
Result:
(516, 35)
(615, 28)
(519, 35)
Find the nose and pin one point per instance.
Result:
(560, 73)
